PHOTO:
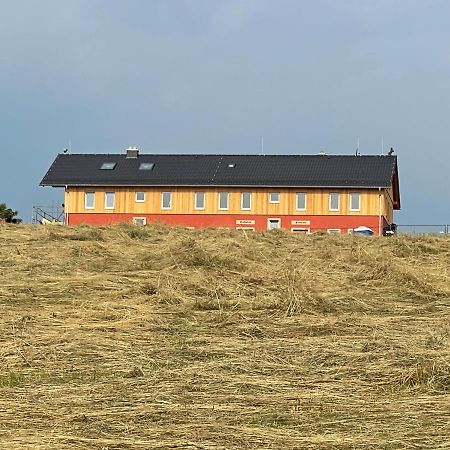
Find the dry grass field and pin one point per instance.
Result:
(142, 338)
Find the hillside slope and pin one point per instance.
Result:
(133, 338)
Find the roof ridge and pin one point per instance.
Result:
(223, 155)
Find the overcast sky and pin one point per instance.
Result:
(215, 76)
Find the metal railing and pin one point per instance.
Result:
(54, 213)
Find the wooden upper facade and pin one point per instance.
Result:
(199, 200)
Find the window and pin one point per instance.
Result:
(146, 166)
(300, 230)
(354, 201)
(223, 200)
(273, 224)
(199, 200)
(139, 221)
(334, 201)
(89, 200)
(109, 200)
(140, 197)
(334, 231)
(274, 197)
(300, 204)
(108, 166)
(246, 200)
(166, 200)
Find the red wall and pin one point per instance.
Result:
(230, 220)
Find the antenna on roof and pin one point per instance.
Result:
(357, 153)
(67, 149)
(390, 151)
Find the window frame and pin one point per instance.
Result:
(330, 196)
(146, 166)
(108, 195)
(144, 221)
(108, 165)
(136, 197)
(274, 201)
(297, 194)
(227, 194)
(242, 201)
(352, 194)
(300, 230)
(333, 230)
(170, 200)
(196, 197)
(86, 197)
(277, 219)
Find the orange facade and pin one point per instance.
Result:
(253, 208)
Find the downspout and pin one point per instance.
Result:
(66, 206)
(379, 211)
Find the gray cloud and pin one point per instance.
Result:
(197, 75)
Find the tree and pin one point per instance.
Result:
(8, 215)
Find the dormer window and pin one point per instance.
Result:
(146, 166)
(108, 166)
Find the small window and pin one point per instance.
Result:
(334, 231)
(354, 201)
(89, 200)
(139, 221)
(108, 166)
(300, 230)
(274, 197)
(146, 166)
(246, 200)
(166, 200)
(109, 200)
(300, 201)
(273, 224)
(199, 200)
(231, 166)
(140, 197)
(334, 201)
(223, 200)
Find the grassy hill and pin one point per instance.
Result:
(136, 338)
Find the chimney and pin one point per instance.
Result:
(132, 152)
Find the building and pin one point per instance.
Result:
(300, 193)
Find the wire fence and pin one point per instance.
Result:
(424, 229)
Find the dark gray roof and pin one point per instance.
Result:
(214, 170)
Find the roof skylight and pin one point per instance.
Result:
(146, 166)
(108, 166)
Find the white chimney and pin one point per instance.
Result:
(132, 152)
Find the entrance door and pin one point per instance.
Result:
(273, 224)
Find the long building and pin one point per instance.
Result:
(299, 193)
